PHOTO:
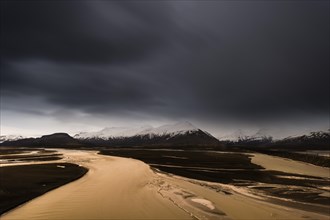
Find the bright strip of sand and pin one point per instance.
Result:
(289, 166)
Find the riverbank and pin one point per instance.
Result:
(125, 188)
(20, 184)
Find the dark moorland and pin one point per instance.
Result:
(21, 183)
(232, 168)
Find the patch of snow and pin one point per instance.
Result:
(241, 135)
(261, 134)
(274, 133)
(204, 202)
(172, 130)
(4, 138)
(235, 136)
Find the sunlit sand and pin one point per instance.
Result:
(122, 188)
(289, 166)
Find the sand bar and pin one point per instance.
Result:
(122, 188)
(289, 166)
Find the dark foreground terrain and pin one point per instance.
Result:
(21, 183)
(19, 155)
(236, 169)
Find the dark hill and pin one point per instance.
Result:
(52, 140)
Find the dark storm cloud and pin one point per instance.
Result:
(206, 60)
(78, 32)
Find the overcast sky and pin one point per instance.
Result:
(222, 65)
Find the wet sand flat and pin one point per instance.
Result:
(124, 188)
(241, 204)
(289, 166)
(114, 188)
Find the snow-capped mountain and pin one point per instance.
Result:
(241, 135)
(313, 138)
(235, 136)
(4, 138)
(122, 132)
(113, 132)
(172, 130)
(182, 133)
(263, 137)
(320, 134)
(262, 134)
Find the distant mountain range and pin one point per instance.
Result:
(52, 140)
(240, 135)
(4, 138)
(320, 140)
(123, 132)
(179, 134)
(183, 133)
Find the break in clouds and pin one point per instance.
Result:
(213, 62)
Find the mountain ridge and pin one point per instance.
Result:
(51, 140)
(318, 139)
(178, 134)
(11, 137)
(122, 132)
(181, 133)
